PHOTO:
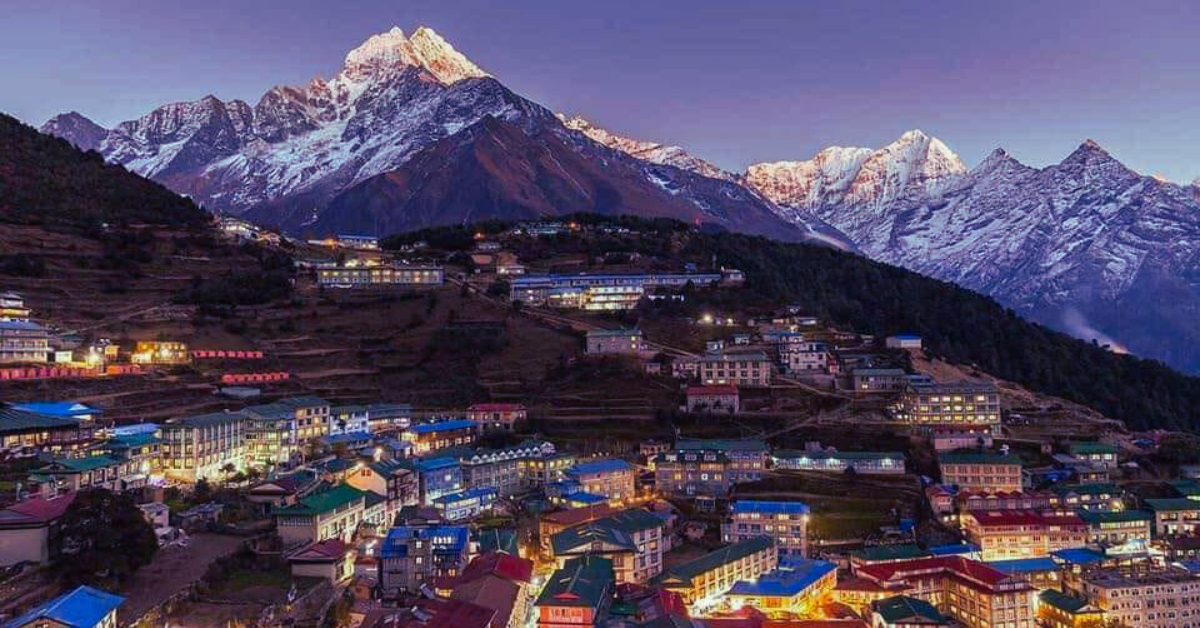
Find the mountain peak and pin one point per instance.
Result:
(425, 49)
(1089, 152)
(77, 129)
(914, 135)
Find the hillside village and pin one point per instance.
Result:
(527, 424)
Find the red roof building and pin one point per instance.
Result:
(27, 530)
(1016, 534)
(973, 593)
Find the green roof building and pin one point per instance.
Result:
(334, 513)
(902, 610)
(711, 575)
(583, 584)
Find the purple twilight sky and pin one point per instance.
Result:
(734, 82)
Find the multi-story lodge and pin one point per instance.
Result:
(1175, 516)
(785, 522)
(394, 479)
(600, 291)
(578, 594)
(548, 468)
(633, 539)
(747, 457)
(203, 446)
(957, 404)
(339, 276)
(806, 355)
(413, 556)
(334, 513)
(1157, 598)
(1016, 534)
(615, 342)
(68, 475)
(22, 429)
(703, 580)
(437, 477)
(746, 369)
(507, 470)
(692, 472)
(984, 472)
(971, 592)
(1096, 497)
(349, 419)
(876, 463)
(432, 437)
(271, 436)
(1118, 527)
(613, 479)
(1100, 455)
(497, 416)
(467, 504)
(23, 342)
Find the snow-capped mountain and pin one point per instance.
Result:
(869, 181)
(284, 159)
(1087, 245)
(76, 129)
(393, 96)
(649, 151)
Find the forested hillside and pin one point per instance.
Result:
(958, 325)
(46, 181)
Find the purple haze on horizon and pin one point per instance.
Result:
(733, 83)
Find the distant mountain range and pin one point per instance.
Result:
(410, 133)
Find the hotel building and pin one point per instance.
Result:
(785, 522)
(971, 592)
(981, 472)
(204, 446)
(701, 582)
(955, 404)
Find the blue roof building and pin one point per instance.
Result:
(441, 426)
(769, 507)
(413, 556)
(467, 504)
(796, 586)
(437, 477)
(61, 409)
(85, 607)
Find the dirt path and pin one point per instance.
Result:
(171, 570)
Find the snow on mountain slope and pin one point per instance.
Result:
(869, 181)
(393, 95)
(1087, 245)
(649, 151)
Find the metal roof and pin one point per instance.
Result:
(83, 607)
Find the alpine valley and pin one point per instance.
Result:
(410, 134)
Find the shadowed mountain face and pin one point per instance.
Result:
(535, 167)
